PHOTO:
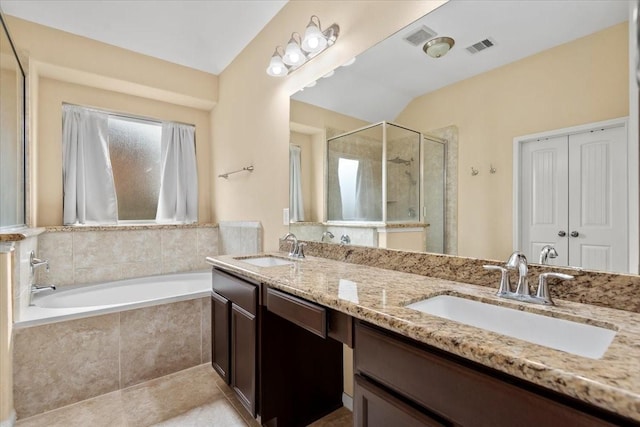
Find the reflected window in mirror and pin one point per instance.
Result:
(12, 133)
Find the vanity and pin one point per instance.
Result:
(276, 351)
(416, 369)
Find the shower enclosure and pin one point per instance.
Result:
(387, 174)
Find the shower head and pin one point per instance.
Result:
(397, 160)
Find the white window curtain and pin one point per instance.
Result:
(296, 205)
(178, 200)
(89, 190)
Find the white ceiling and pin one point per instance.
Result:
(202, 34)
(385, 78)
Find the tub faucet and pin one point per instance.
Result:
(547, 251)
(37, 262)
(327, 234)
(35, 289)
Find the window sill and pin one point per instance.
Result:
(128, 226)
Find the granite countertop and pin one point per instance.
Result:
(379, 296)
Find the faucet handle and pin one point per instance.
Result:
(300, 253)
(543, 285)
(505, 284)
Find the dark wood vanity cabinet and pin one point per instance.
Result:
(275, 351)
(234, 308)
(220, 315)
(401, 379)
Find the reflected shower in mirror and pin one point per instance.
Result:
(551, 66)
(12, 133)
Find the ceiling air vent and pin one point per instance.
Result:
(419, 36)
(481, 45)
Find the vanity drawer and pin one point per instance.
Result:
(240, 292)
(459, 392)
(307, 315)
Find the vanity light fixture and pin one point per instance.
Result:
(277, 66)
(300, 50)
(438, 47)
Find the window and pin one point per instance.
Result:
(134, 149)
(347, 177)
(118, 168)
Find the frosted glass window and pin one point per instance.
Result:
(347, 177)
(134, 148)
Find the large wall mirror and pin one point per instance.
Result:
(12, 133)
(518, 72)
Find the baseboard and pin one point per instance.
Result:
(347, 402)
(11, 421)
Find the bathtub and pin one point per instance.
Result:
(79, 301)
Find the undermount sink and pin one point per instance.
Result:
(560, 334)
(266, 261)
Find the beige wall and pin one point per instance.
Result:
(52, 93)
(252, 115)
(579, 82)
(68, 68)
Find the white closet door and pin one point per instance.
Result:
(544, 198)
(598, 214)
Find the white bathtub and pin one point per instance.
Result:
(90, 300)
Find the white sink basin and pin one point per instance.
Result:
(266, 261)
(573, 337)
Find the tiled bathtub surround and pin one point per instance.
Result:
(79, 255)
(240, 237)
(619, 291)
(62, 363)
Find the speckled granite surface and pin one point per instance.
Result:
(379, 296)
(18, 234)
(619, 291)
(130, 227)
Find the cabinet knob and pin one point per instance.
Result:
(574, 234)
(562, 233)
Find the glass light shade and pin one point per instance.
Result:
(314, 41)
(438, 47)
(276, 67)
(293, 55)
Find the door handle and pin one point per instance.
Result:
(574, 234)
(562, 233)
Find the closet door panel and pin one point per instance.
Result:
(598, 214)
(544, 198)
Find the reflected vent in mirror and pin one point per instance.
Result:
(419, 36)
(481, 45)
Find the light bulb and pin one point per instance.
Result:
(293, 55)
(276, 67)
(314, 41)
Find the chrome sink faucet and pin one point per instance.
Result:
(327, 234)
(297, 248)
(518, 261)
(547, 252)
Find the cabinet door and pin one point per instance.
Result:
(243, 354)
(374, 407)
(220, 311)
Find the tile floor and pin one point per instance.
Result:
(195, 397)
